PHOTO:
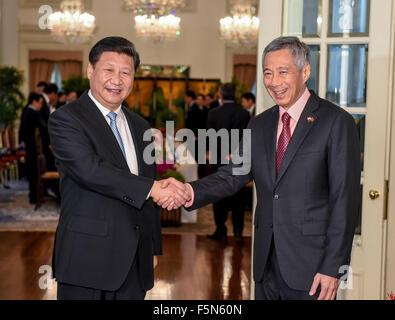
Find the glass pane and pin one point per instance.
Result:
(312, 83)
(347, 65)
(302, 18)
(349, 17)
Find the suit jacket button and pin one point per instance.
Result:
(276, 196)
(137, 227)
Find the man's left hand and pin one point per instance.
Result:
(328, 285)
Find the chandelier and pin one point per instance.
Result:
(156, 7)
(242, 28)
(156, 20)
(156, 28)
(71, 24)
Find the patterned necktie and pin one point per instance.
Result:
(283, 141)
(113, 124)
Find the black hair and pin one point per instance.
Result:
(51, 87)
(34, 96)
(249, 96)
(114, 44)
(191, 94)
(41, 84)
(228, 91)
(210, 95)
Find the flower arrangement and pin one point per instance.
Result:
(167, 170)
(390, 296)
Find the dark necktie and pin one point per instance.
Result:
(283, 141)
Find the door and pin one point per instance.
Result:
(350, 42)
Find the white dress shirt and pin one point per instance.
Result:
(124, 131)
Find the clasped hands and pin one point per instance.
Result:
(170, 193)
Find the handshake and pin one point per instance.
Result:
(171, 194)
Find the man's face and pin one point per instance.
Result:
(53, 98)
(72, 96)
(40, 89)
(188, 99)
(200, 101)
(208, 100)
(38, 104)
(282, 79)
(246, 103)
(111, 79)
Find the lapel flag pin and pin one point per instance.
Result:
(310, 119)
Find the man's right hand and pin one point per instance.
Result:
(170, 193)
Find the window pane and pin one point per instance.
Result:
(302, 18)
(312, 83)
(347, 65)
(349, 17)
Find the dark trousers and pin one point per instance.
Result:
(273, 286)
(131, 289)
(236, 203)
(32, 177)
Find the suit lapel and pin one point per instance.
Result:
(94, 118)
(270, 142)
(302, 129)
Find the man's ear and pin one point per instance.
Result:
(89, 70)
(306, 72)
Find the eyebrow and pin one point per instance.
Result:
(123, 68)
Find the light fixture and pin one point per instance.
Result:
(242, 28)
(71, 24)
(156, 7)
(156, 28)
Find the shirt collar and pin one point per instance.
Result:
(45, 97)
(33, 108)
(296, 110)
(103, 109)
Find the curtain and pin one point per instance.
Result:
(42, 62)
(244, 69)
(39, 70)
(70, 68)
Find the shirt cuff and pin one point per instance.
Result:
(149, 194)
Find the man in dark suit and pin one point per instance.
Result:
(228, 116)
(248, 103)
(30, 121)
(109, 227)
(305, 162)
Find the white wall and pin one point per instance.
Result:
(8, 33)
(199, 45)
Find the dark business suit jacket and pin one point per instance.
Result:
(30, 121)
(311, 208)
(228, 116)
(196, 118)
(105, 217)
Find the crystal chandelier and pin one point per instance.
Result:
(156, 20)
(71, 24)
(156, 7)
(242, 28)
(156, 28)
